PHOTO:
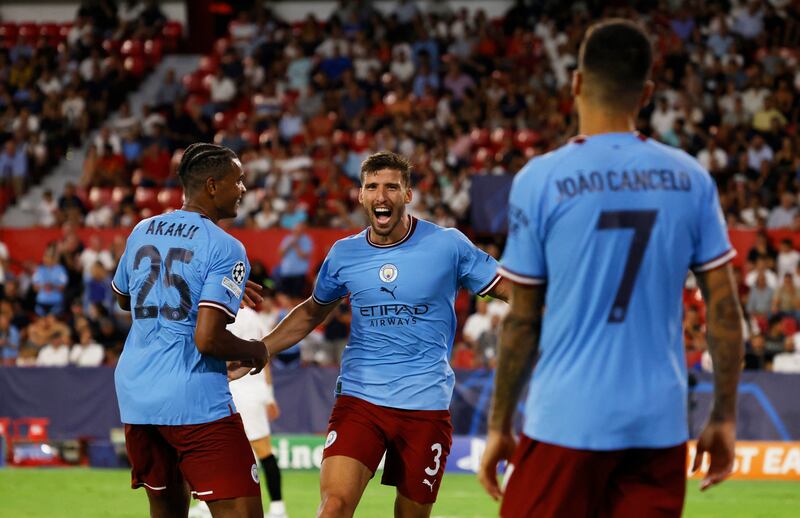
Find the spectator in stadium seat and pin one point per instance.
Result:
(49, 282)
(87, 352)
(783, 215)
(97, 287)
(761, 267)
(9, 340)
(788, 361)
(759, 299)
(788, 258)
(762, 249)
(4, 271)
(477, 323)
(786, 298)
(295, 251)
(70, 204)
(56, 352)
(170, 91)
(14, 165)
(223, 92)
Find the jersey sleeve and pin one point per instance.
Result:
(120, 281)
(328, 288)
(227, 272)
(712, 248)
(523, 259)
(477, 270)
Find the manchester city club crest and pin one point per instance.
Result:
(238, 272)
(388, 272)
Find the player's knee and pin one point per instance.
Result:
(335, 506)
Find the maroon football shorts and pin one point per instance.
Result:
(550, 480)
(416, 443)
(215, 458)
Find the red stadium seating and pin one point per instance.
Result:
(132, 48)
(28, 30)
(99, 196)
(9, 31)
(153, 50)
(171, 198)
(147, 198)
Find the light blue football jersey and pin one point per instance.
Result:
(173, 264)
(612, 223)
(404, 321)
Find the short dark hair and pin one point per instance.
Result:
(386, 160)
(616, 57)
(202, 160)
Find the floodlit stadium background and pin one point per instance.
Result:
(96, 106)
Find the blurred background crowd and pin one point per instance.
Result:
(304, 102)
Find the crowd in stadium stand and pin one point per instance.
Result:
(304, 103)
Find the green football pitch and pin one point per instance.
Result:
(89, 493)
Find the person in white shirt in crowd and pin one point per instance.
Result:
(477, 323)
(788, 258)
(87, 352)
(713, 158)
(788, 361)
(783, 215)
(56, 353)
(255, 401)
(663, 117)
(95, 253)
(761, 268)
(758, 152)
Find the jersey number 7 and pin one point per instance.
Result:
(171, 280)
(641, 221)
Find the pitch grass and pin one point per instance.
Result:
(90, 493)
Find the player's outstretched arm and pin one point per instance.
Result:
(212, 338)
(726, 346)
(298, 323)
(501, 290)
(517, 350)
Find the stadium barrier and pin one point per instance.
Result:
(755, 460)
(81, 402)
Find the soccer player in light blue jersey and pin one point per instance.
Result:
(602, 233)
(394, 391)
(183, 279)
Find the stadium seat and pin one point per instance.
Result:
(50, 30)
(111, 45)
(9, 31)
(171, 198)
(99, 196)
(119, 193)
(132, 48)
(28, 30)
(172, 32)
(208, 65)
(147, 198)
(135, 65)
(153, 50)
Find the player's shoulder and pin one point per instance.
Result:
(348, 243)
(680, 158)
(218, 241)
(539, 169)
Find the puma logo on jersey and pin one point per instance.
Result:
(390, 292)
(429, 483)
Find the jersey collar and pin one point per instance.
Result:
(411, 227)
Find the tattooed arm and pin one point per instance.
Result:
(725, 344)
(517, 350)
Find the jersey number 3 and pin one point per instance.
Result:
(641, 221)
(171, 280)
